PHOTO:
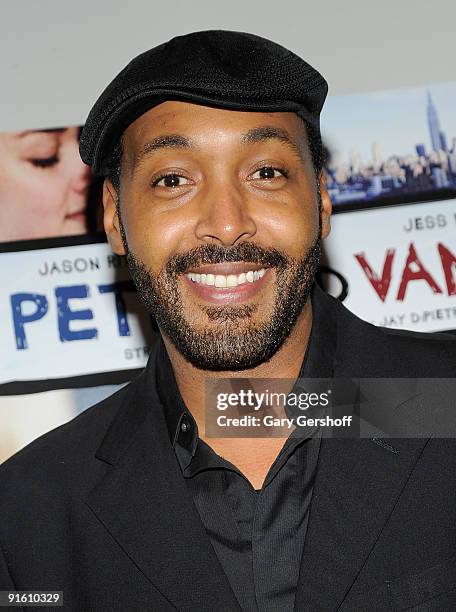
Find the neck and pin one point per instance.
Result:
(285, 363)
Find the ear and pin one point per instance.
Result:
(326, 208)
(111, 218)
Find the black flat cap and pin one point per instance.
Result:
(232, 70)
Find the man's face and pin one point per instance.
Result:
(221, 223)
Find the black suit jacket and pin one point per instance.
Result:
(98, 507)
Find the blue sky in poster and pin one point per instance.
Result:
(395, 119)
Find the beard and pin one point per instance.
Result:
(237, 342)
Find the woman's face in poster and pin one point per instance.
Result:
(43, 184)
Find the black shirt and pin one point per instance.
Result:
(258, 536)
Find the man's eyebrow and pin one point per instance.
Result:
(167, 141)
(176, 141)
(264, 133)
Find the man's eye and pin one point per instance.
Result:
(267, 172)
(170, 181)
(45, 162)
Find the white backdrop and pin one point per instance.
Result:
(56, 56)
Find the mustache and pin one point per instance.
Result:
(214, 254)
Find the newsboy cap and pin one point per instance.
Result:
(232, 70)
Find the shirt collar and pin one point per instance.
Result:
(182, 427)
(318, 362)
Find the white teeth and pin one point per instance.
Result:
(229, 280)
(220, 280)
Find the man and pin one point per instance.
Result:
(214, 192)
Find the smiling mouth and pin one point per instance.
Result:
(76, 214)
(221, 281)
(227, 283)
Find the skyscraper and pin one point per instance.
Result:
(420, 150)
(440, 177)
(443, 141)
(376, 153)
(433, 123)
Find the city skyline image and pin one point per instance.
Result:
(391, 142)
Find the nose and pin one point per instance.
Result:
(77, 173)
(80, 177)
(225, 218)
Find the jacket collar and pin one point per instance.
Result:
(150, 512)
(358, 481)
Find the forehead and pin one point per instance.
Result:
(190, 120)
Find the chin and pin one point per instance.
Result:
(72, 227)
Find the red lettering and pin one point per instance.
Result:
(415, 270)
(448, 260)
(381, 285)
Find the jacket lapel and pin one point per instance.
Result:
(358, 481)
(357, 485)
(144, 504)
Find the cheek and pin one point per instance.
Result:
(33, 190)
(28, 208)
(291, 227)
(154, 237)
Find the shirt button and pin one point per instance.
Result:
(184, 426)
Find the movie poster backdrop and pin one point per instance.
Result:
(73, 330)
